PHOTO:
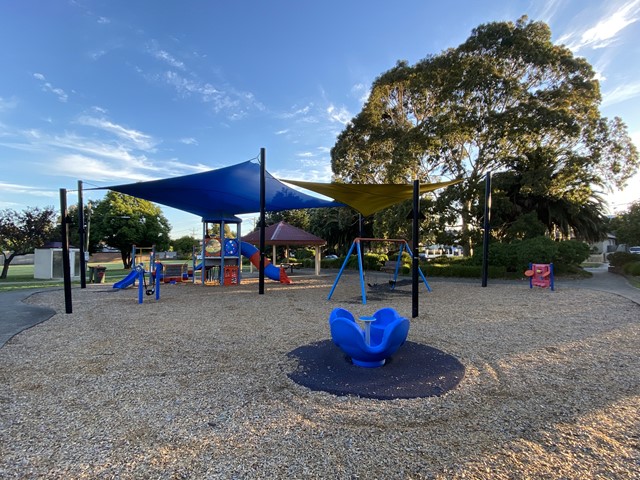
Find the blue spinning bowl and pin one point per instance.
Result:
(388, 333)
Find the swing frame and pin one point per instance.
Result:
(356, 244)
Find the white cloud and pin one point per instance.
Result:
(605, 31)
(47, 87)
(168, 58)
(340, 115)
(189, 141)
(620, 94)
(8, 103)
(361, 92)
(314, 171)
(135, 138)
(82, 166)
(548, 10)
(16, 189)
(282, 132)
(297, 112)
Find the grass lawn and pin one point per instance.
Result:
(21, 276)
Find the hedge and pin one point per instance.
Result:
(620, 259)
(632, 268)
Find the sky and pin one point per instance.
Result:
(120, 91)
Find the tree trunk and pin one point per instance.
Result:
(467, 246)
(126, 259)
(5, 265)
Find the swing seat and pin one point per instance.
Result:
(386, 338)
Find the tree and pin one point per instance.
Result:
(121, 221)
(22, 232)
(503, 99)
(535, 202)
(184, 245)
(297, 218)
(337, 225)
(627, 226)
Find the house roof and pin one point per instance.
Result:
(284, 234)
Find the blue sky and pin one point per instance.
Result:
(115, 91)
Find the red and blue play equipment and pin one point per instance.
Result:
(372, 346)
(270, 270)
(540, 275)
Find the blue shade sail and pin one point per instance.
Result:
(222, 194)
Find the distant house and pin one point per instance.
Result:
(601, 249)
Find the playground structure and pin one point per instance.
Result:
(220, 259)
(383, 334)
(138, 274)
(396, 267)
(143, 255)
(540, 275)
(215, 273)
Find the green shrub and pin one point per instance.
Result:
(620, 259)
(504, 255)
(330, 262)
(632, 268)
(304, 253)
(517, 255)
(572, 252)
(373, 261)
(536, 250)
(462, 271)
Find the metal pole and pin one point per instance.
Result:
(87, 234)
(487, 227)
(81, 233)
(66, 268)
(416, 248)
(262, 220)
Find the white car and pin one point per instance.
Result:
(634, 250)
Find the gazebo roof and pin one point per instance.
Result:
(284, 234)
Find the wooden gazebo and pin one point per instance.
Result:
(283, 234)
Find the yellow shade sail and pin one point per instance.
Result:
(369, 198)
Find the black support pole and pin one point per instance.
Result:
(416, 245)
(263, 159)
(487, 229)
(66, 268)
(81, 235)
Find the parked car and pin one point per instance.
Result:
(634, 250)
(330, 257)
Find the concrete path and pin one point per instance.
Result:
(605, 281)
(16, 316)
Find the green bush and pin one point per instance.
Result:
(329, 262)
(305, 253)
(370, 261)
(632, 268)
(504, 255)
(517, 255)
(536, 250)
(462, 271)
(620, 259)
(572, 252)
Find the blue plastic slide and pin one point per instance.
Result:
(128, 280)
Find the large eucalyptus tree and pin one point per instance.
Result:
(505, 96)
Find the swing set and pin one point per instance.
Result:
(356, 244)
